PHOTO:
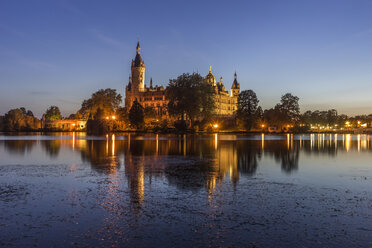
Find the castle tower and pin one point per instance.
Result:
(235, 88)
(138, 72)
(210, 79)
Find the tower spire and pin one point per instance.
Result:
(138, 48)
(210, 69)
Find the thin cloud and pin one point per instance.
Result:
(13, 31)
(69, 102)
(39, 93)
(364, 33)
(40, 65)
(18, 58)
(67, 5)
(110, 41)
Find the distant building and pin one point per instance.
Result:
(154, 96)
(63, 125)
(1, 123)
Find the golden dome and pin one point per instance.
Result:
(210, 77)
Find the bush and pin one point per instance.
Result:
(180, 125)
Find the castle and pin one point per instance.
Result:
(154, 96)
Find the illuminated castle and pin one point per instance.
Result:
(225, 102)
(137, 90)
(154, 96)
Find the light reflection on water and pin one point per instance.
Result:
(190, 169)
(225, 155)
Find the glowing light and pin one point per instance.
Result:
(107, 118)
(107, 145)
(348, 142)
(215, 141)
(113, 117)
(157, 144)
(215, 125)
(336, 140)
(262, 125)
(113, 145)
(364, 142)
(73, 141)
(364, 125)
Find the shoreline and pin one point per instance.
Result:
(190, 132)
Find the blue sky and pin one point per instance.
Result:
(60, 52)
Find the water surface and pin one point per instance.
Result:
(69, 189)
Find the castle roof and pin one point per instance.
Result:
(138, 62)
(210, 77)
(235, 84)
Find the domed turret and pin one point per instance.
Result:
(210, 77)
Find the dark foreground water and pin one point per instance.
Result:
(185, 191)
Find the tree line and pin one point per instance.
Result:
(191, 105)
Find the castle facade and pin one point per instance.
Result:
(154, 96)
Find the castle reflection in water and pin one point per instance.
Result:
(189, 162)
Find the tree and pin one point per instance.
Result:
(289, 107)
(136, 115)
(29, 113)
(122, 113)
(107, 100)
(332, 117)
(248, 110)
(53, 113)
(190, 96)
(149, 113)
(20, 120)
(14, 120)
(323, 118)
(24, 112)
(275, 117)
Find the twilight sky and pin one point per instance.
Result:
(60, 52)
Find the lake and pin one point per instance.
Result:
(153, 190)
